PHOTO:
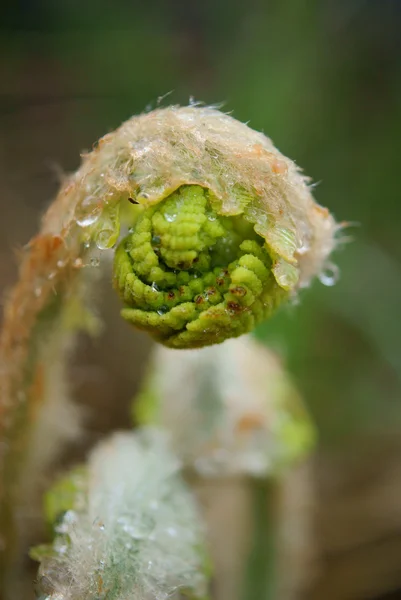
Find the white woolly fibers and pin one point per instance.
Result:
(138, 536)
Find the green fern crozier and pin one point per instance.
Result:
(227, 229)
(191, 277)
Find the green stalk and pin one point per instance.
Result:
(260, 581)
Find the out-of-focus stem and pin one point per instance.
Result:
(260, 576)
(296, 560)
(241, 431)
(227, 509)
(261, 534)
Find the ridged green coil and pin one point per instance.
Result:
(191, 277)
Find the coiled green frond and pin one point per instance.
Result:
(191, 277)
(225, 229)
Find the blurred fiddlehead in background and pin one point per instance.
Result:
(238, 425)
(125, 526)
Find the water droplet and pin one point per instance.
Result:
(141, 148)
(279, 166)
(109, 228)
(137, 530)
(303, 249)
(61, 548)
(88, 220)
(162, 310)
(170, 217)
(172, 532)
(212, 217)
(69, 518)
(155, 287)
(105, 239)
(330, 275)
(285, 274)
(88, 210)
(94, 262)
(60, 264)
(90, 200)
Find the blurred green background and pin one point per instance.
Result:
(323, 80)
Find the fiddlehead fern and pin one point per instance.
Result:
(240, 416)
(126, 526)
(269, 239)
(209, 261)
(239, 426)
